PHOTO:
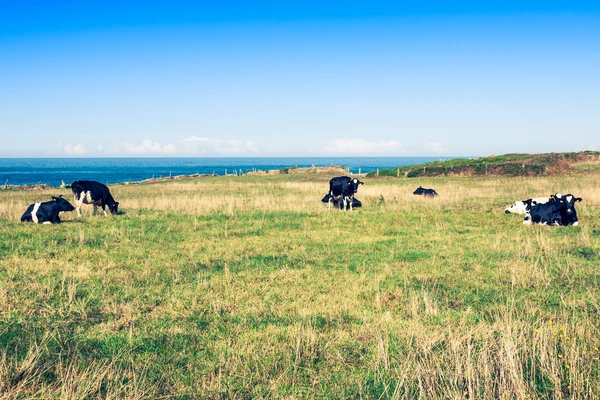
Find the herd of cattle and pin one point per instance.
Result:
(558, 209)
(84, 192)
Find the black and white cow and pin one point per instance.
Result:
(343, 189)
(47, 212)
(336, 201)
(96, 193)
(421, 191)
(521, 207)
(559, 211)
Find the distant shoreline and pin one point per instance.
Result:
(51, 172)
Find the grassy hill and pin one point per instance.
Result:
(247, 287)
(507, 164)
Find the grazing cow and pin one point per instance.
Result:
(47, 212)
(559, 211)
(337, 200)
(425, 192)
(343, 189)
(96, 193)
(521, 207)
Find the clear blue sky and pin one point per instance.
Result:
(267, 78)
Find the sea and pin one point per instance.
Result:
(54, 171)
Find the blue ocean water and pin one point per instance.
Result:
(52, 171)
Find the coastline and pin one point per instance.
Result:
(258, 172)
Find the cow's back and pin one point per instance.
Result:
(96, 190)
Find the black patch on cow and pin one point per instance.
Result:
(48, 211)
(99, 192)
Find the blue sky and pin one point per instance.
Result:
(105, 79)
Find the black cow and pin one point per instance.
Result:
(96, 193)
(343, 189)
(425, 192)
(46, 212)
(336, 201)
(559, 211)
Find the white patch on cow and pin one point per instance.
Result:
(84, 198)
(34, 216)
(517, 208)
(47, 223)
(569, 198)
(520, 207)
(575, 223)
(540, 200)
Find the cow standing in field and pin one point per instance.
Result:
(421, 191)
(96, 193)
(558, 211)
(342, 190)
(47, 212)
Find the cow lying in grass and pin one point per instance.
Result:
(521, 207)
(421, 191)
(558, 211)
(47, 212)
(339, 203)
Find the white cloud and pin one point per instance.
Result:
(202, 145)
(75, 149)
(364, 147)
(193, 145)
(149, 147)
(434, 147)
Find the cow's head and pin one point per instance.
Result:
(354, 183)
(556, 197)
(63, 205)
(419, 190)
(569, 201)
(114, 207)
(519, 207)
(567, 210)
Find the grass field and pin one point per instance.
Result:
(248, 287)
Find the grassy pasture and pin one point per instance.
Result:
(248, 287)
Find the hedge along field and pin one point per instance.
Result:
(248, 287)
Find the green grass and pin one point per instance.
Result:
(247, 287)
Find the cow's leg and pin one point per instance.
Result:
(95, 208)
(345, 203)
(79, 202)
(351, 200)
(104, 210)
(330, 202)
